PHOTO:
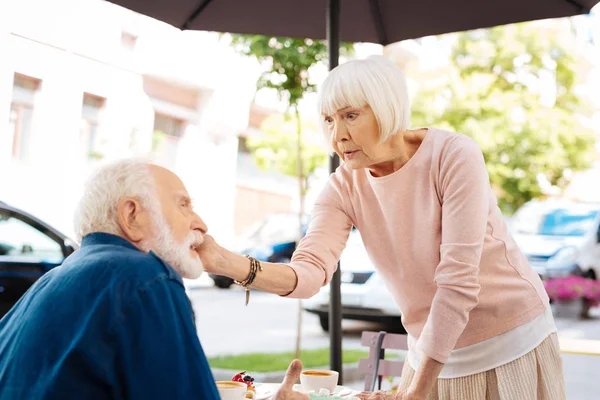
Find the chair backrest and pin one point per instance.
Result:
(376, 366)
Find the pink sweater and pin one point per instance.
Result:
(435, 233)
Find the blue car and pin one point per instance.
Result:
(273, 239)
(28, 249)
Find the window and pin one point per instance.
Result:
(277, 228)
(20, 241)
(165, 138)
(128, 41)
(564, 222)
(21, 114)
(572, 220)
(243, 145)
(90, 121)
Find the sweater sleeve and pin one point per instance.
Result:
(465, 192)
(315, 259)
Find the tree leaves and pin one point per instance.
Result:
(511, 88)
(288, 63)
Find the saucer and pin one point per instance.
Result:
(339, 391)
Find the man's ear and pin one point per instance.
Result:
(130, 217)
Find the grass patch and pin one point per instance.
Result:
(270, 362)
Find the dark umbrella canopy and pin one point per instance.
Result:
(377, 21)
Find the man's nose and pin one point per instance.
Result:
(198, 224)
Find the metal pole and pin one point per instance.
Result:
(335, 299)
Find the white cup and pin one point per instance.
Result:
(230, 390)
(315, 380)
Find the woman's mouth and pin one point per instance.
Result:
(348, 155)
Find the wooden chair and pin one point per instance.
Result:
(376, 366)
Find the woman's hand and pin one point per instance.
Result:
(379, 395)
(383, 395)
(212, 255)
(273, 278)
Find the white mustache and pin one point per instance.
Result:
(194, 239)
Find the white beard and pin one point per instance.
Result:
(177, 255)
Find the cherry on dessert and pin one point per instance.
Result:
(239, 377)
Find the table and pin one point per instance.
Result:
(585, 347)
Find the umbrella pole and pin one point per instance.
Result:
(335, 300)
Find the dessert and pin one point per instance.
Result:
(247, 379)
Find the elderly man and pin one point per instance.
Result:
(114, 321)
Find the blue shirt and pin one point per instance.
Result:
(112, 322)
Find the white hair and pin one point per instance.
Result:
(97, 209)
(374, 81)
(97, 212)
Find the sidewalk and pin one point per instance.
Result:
(582, 376)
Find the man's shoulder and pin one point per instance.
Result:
(123, 276)
(118, 263)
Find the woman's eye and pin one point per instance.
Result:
(351, 116)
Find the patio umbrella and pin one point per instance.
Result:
(377, 21)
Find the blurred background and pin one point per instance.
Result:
(84, 82)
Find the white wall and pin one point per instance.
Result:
(74, 46)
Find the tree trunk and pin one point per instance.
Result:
(300, 173)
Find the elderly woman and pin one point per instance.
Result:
(477, 315)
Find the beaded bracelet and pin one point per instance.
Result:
(255, 266)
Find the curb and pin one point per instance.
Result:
(350, 374)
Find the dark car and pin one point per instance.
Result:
(273, 239)
(28, 249)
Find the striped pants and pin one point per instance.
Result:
(538, 375)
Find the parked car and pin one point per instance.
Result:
(273, 239)
(28, 249)
(364, 294)
(559, 237)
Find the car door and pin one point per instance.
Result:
(28, 249)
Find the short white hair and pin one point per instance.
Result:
(97, 209)
(374, 81)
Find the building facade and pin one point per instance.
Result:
(85, 82)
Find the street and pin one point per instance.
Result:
(268, 324)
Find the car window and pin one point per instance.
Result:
(20, 241)
(277, 228)
(560, 221)
(564, 222)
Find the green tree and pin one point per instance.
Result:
(277, 148)
(511, 88)
(288, 62)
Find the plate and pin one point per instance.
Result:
(339, 391)
(263, 391)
